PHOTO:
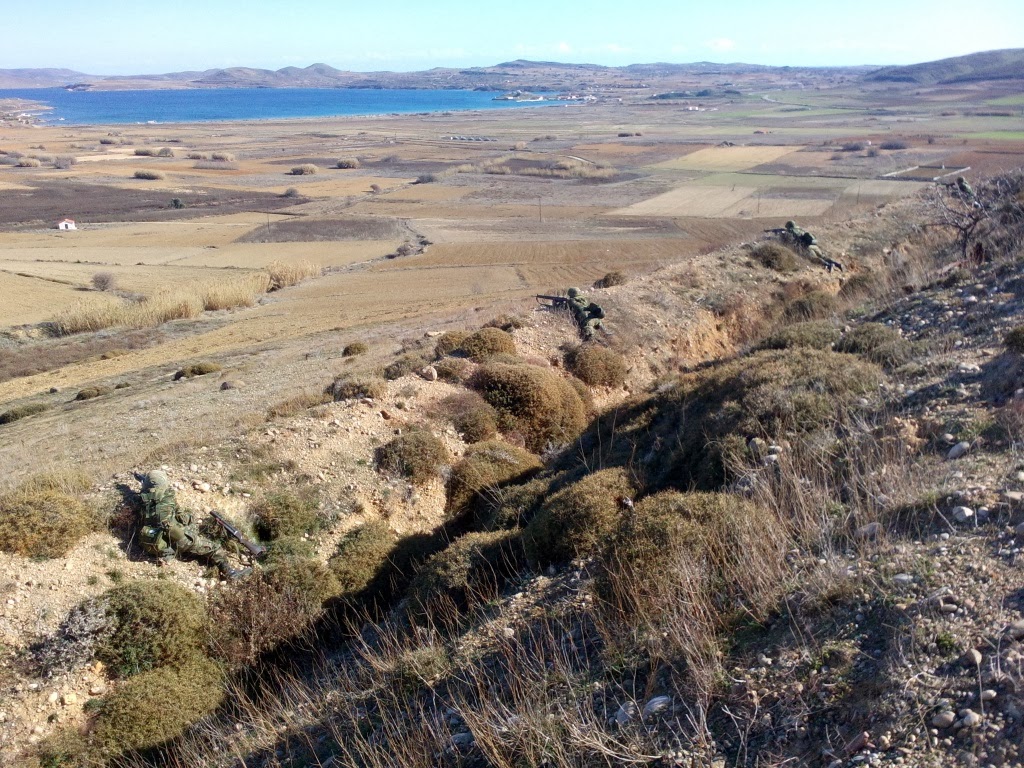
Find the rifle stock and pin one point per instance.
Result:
(255, 550)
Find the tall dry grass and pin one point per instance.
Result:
(283, 274)
(241, 291)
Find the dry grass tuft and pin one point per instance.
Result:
(471, 416)
(306, 169)
(813, 334)
(486, 467)
(45, 516)
(611, 279)
(203, 368)
(239, 292)
(149, 175)
(283, 274)
(776, 256)
(449, 342)
(1014, 340)
(878, 343)
(454, 370)
(812, 306)
(361, 557)
(353, 388)
(22, 411)
(487, 343)
(347, 162)
(90, 393)
(293, 406)
(355, 348)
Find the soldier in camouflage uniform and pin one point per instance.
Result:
(168, 530)
(587, 314)
(810, 243)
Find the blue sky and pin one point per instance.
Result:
(120, 37)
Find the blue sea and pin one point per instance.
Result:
(188, 106)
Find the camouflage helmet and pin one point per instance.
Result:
(790, 224)
(960, 180)
(157, 479)
(573, 293)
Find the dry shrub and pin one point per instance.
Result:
(776, 256)
(151, 311)
(347, 162)
(471, 569)
(150, 624)
(454, 370)
(352, 388)
(510, 506)
(611, 279)
(293, 406)
(222, 157)
(812, 306)
(355, 348)
(878, 343)
(238, 292)
(361, 557)
(21, 411)
(536, 402)
(813, 334)
(287, 512)
(577, 520)
(197, 369)
(283, 274)
(149, 175)
(597, 366)
(487, 343)
(471, 416)
(404, 365)
(449, 342)
(507, 323)
(156, 706)
(306, 169)
(215, 165)
(90, 393)
(145, 152)
(1014, 340)
(417, 455)
(481, 472)
(44, 516)
(104, 281)
(165, 152)
(28, 162)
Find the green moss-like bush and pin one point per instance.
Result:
(151, 624)
(197, 369)
(878, 343)
(287, 512)
(355, 348)
(596, 366)
(1014, 340)
(361, 556)
(449, 342)
(471, 416)
(813, 334)
(22, 411)
(486, 343)
(156, 706)
(454, 370)
(577, 520)
(45, 517)
(472, 568)
(89, 393)
(536, 402)
(510, 506)
(776, 256)
(404, 365)
(352, 388)
(484, 468)
(417, 455)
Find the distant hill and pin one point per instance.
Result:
(40, 78)
(1006, 64)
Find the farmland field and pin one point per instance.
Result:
(726, 158)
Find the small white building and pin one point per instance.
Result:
(66, 224)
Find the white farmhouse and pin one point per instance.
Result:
(66, 224)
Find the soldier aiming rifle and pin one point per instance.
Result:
(167, 530)
(801, 238)
(586, 314)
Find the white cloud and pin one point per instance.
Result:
(564, 47)
(721, 44)
(616, 48)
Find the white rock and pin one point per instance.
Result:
(971, 719)
(68, 699)
(1014, 497)
(962, 514)
(53, 698)
(429, 373)
(656, 705)
(958, 450)
(1016, 630)
(988, 695)
(903, 579)
(98, 689)
(943, 720)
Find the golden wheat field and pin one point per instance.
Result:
(726, 158)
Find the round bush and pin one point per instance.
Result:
(597, 366)
(484, 468)
(306, 169)
(361, 556)
(156, 706)
(511, 506)
(878, 343)
(45, 518)
(471, 416)
(286, 512)
(417, 455)
(347, 162)
(472, 568)
(454, 369)
(149, 175)
(811, 306)
(577, 520)
(449, 342)
(150, 624)
(90, 393)
(1014, 340)
(536, 402)
(611, 279)
(814, 334)
(776, 256)
(355, 348)
(197, 369)
(486, 344)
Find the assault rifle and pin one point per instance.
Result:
(559, 302)
(255, 550)
(777, 231)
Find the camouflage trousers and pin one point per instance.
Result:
(186, 540)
